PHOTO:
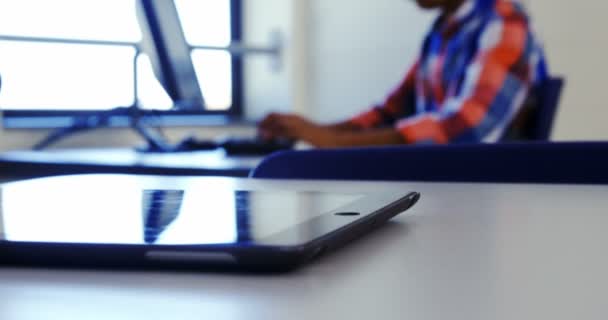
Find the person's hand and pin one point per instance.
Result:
(290, 126)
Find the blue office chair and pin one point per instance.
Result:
(535, 120)
(535, 162)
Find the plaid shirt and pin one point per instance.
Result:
(473, 75)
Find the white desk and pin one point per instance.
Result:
(466, 251)
(53, 162)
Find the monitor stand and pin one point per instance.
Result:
(155, 142)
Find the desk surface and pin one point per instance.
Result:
(54, 162)
(466, 251)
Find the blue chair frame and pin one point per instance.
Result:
(537, 120)
(549, 101)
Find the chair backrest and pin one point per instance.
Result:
(574, 162)
(550, 94)
(535, 120)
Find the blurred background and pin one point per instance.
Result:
(338, 57)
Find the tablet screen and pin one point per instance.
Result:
(124, 214)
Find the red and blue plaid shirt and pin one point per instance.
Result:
(473, 75)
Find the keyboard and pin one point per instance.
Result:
(235, 146)
(254, 146)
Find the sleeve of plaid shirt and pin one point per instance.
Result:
(494, 85)
(400, 103)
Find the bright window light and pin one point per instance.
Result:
(205, 22)
(112, 20)
(214, 71)
(71, 76)
(65, 76)
(150, 91)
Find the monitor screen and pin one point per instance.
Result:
(163, 41)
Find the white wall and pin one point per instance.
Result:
(574, 36)
(267, 79)
(267, 88)
(359, 49)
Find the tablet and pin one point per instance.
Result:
(113, 222)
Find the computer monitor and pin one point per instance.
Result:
(163, 41)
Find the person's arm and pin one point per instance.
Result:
(353, 132)
(494, 87)
(299, 128)
(343, 126)
(326, 138)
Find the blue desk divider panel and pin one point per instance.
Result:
(579, 162)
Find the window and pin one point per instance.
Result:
(66, 57)
(213, 67)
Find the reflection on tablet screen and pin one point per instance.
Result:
(129, 215)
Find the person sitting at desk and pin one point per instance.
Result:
(476, 68)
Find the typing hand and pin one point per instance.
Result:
(289, 126)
